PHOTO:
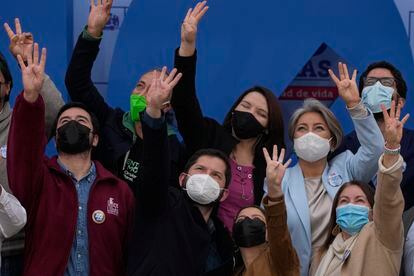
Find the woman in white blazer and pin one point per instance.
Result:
(310, 186)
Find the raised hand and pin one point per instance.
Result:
(98, 16)
(160, 90)
(275, 170)
(393, 127)
(189, 28)
(33, 73)
(21, 43)
(347, 88)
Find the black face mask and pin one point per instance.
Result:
(73, 138)
(249, 232)
(245, 125)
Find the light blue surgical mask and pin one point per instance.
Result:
(351, 217)
(375, 95)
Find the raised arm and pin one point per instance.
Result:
(78, 75)
(27, 133)
(189, 29)
(53, 102)
(282, 252)
(152, 189)
(389, 201)
(21, 43)
(12, 214)
(193, 127)
(363, 165)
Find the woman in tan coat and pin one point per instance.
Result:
(263, 236)
(367, 238)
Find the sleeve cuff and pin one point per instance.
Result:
(3, 197)
(88, 36)
(178, 57)
(359, 111)
(155, 123)
(397, 165)
(277, 208)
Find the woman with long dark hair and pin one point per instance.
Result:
(253, 122)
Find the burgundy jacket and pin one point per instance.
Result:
(50, 198)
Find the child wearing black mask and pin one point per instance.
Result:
(262, 236)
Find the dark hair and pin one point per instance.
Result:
(369, 193)
(94, 119)
(4, 68)
(400, 82)
(213, 153)
(250, 206)
(275, 130)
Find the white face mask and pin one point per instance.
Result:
(311, 147)
(202, 188)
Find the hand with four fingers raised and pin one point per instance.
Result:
(189, 28)
(275, 170)
(393, 127)
(347, 87)
(33, 73)
(160, 91)
(98, 16)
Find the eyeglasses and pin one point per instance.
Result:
(387, 81)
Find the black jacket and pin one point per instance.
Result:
(201, 132)
(115, 140)
(170, 236)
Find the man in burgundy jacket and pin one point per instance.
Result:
(79, 214)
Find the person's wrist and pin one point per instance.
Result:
(392, 145)
(30, 95)
(186, 49)
(352, 103)
(154, 112)
(188, 42)
(95, 32)
(274, 194)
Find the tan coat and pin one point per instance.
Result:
(378, 249)
(280, 257)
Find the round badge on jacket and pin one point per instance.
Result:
(335, 180)
(98, 216)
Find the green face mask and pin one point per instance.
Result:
(137, 104)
